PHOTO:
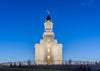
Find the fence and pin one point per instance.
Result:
(63, 62)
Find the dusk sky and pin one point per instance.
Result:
(76, 24)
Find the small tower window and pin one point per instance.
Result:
(48, 41)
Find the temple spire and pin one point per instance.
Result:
(48, 12)
(48, 17)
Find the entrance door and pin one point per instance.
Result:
(49, 63)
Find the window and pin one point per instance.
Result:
(48, 50)
(58, 57)
(38, 51)
(58, 51)
(38, 58)
(48, 41)
(48, 56)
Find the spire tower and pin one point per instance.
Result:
(48, 52)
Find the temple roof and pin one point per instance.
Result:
(48, 19)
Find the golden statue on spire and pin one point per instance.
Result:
(48, 12)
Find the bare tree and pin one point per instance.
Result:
(29, 62)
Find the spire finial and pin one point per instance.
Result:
(48, 12)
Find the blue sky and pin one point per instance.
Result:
(76, 26)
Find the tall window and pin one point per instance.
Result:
(38, 51)
(58, 57)
(48, 49)
(58, 51)
(38, 58)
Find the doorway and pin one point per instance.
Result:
(49, 63)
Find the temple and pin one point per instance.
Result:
(48, 52)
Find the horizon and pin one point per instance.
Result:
(75, 25)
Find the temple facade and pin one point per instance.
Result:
(48, 52)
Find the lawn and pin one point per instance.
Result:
(26, 69)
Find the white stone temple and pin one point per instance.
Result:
(48, 52)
